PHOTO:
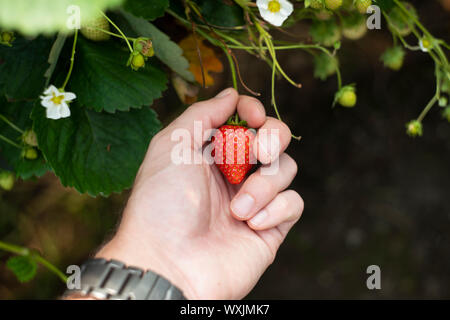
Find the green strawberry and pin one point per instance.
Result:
(393, 58)
(91, 32)
(346, 97)
(6, 180)
(317, 4)
(399, 22)
(30, 153)
(446, 114)
(333, 4)
(325, 32)
(324, 66)
(232, 151)
(362, 5)
(354, 26)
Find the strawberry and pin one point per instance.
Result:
(233, 144)
(91, 30)
(333, 4)
(362, 5)
(6, 180)
(317, 4)
(393, 58)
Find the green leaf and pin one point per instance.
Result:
(22, 67)
(53, 56)
(222, 13)
(149, 10)
(19, 114)
(385, 4)
(166, 50)
(24, 268)
(102, 81)
(48, 16)
(97, 153)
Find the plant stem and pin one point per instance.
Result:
(12, 125)
(72, 59)
(114, 34)
(427, 108)
(22, 251)
(7, 140)
(232, 68)
(118, 29)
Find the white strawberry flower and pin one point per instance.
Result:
(275, 11)
(425, 44)
(56, 102)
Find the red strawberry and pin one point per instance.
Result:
(233, 144)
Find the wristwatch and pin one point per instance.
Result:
(112, 280)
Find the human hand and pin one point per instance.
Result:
(185, 222)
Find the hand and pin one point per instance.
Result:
(185, 222)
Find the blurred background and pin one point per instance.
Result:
(372, 194)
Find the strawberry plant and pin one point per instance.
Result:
(77, 99)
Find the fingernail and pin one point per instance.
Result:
(242, 205)
(259, 218)
(224, 93)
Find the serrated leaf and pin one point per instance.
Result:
(165, 49)
(96, 153)
(102, 81)
(22, 67)
(149, 10)
(24, 268)
(19, 114)
(48, 16)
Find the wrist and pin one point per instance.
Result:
(136, 253)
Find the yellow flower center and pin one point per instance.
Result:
(274, 6)
(57, 99)
(426, 43)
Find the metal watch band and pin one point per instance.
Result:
(111, 279)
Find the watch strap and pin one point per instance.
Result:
(112, 280)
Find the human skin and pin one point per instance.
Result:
(211, 239)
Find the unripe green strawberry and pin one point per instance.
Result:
(137, 61)
(414, 128)
(30, 153)
(443, 102)
(317, 4)
(346, 97)
(29, 138)
(324, 66)
(393, 58)
(446, 114)
(6, 180)
(325, 32)
(399, 21)
(354, 26)
(91, 32)
(333, 4)
(233, 152)
(363, 5)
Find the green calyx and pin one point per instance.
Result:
(235, 121)
(144, 46)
